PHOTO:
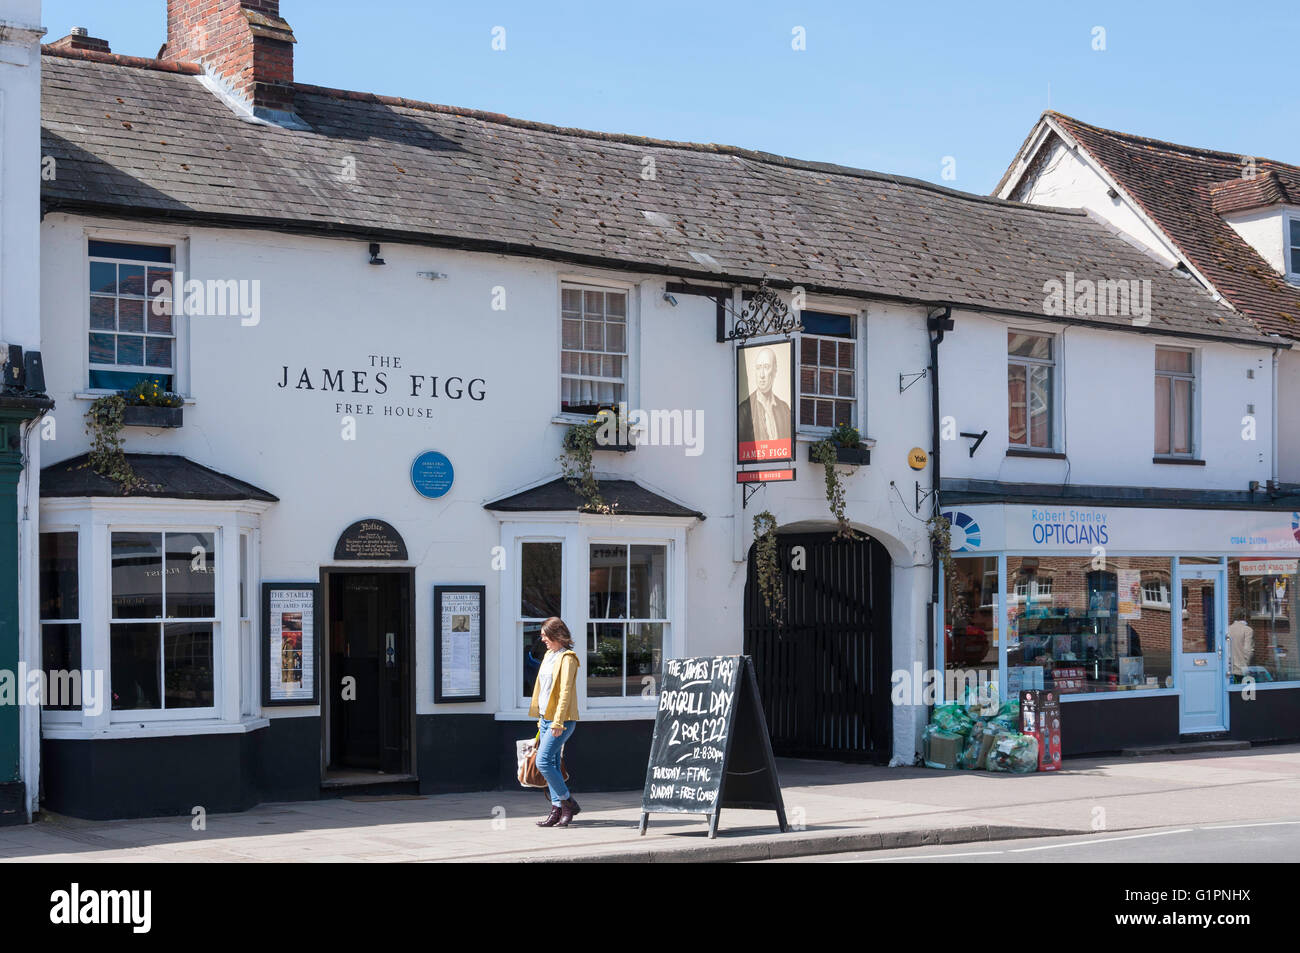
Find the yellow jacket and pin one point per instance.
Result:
(563, 703)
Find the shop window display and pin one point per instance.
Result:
(1262, 604)
(1095, 626)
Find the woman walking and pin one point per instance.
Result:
(555, 705)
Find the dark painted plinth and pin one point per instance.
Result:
(105, 779)
(1110, 724)
(1272, 715)
(477, 753)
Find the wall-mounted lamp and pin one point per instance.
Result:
(670, 299)
(374, 254)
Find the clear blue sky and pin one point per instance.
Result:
(893, 86)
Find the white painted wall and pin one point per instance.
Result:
(324, 306)
(1264, 229)
(1288, 400)
(1106, 408)
(1069, 178)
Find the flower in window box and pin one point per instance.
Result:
(150, 393)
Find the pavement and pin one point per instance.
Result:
(833, 809)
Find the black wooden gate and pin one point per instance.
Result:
(824, 676)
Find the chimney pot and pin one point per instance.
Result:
(79, 31)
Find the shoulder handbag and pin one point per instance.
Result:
(526, 758)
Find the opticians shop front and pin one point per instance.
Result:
(1155, 614)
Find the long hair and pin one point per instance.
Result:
(555, 629)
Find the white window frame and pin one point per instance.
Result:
(1162, 585)
(631, 358)
(95, 519)
(667, 623)
(179, 242)
(577, 532)
(1289, 248)
(857, 318)
(56, 716)
(1193, 423)
(1054, 391)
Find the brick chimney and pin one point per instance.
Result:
(80, 39)
(242, 44)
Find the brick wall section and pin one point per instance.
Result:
(243, 43)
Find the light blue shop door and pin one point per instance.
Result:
(1200, 665)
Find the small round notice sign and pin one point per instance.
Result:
(432, 474)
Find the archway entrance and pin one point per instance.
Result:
(824, 675)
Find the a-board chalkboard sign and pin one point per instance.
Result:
(710, 748)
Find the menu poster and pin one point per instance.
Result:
(290, 628)
(458, 644)
(1130, 593)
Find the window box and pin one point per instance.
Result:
(850, 456)
(143, 415)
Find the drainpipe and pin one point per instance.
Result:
(937, 323)
(1276, 412)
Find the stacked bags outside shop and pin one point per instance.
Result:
(961, 736)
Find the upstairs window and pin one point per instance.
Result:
(1031, 366)
(1293, 245)
(132, 334)
(1175, 394)
(827, 370)
(593, 350)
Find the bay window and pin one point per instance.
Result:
(163, 620)
(60, 619)
(541, 581)
(627, 619)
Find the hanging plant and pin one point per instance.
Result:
(940, 528)
(767, 566)
(575, 465)
(104, 424)
(823, 451)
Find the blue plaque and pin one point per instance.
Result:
(432, 474)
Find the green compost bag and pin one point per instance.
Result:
(1007, 718)
(970, 752)
(951, 718)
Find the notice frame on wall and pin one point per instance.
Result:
(459, 660)
(291, 623)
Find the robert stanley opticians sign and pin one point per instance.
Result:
(382, 387)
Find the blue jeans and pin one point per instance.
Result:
(548, 760)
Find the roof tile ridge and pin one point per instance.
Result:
(1165, 143)
(117, 59)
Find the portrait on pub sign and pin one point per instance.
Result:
(764, 402)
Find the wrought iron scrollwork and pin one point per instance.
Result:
(765, 313)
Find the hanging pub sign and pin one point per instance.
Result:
(458, 644)
(290, 630)
(710, 747)
(370, 539)
(765, 399)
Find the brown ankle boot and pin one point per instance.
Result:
(566, 813)
(551, 819)
(573, 802)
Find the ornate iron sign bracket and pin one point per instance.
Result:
(765, 313)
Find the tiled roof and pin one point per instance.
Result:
(627, 497)
(1179, 188)
(165, 476)
(135, 141)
